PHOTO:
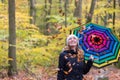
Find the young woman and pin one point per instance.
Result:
(71, 61)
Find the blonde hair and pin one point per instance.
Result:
(80, 52)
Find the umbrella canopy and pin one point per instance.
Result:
(100, 42)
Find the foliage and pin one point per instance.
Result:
(34, 48)
(61, 19)
(3, 57)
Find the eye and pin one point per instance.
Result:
(70, 38)
(74, 38)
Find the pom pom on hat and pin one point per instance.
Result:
(70, 36)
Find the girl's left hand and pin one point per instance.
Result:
(91, 57)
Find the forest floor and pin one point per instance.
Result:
(108, 73)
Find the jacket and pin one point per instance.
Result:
(78, 68)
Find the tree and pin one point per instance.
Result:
(66, 10)
(12, 69)
(107, 15)
(45, 7)
(32, 11)
(119, 2)
(50, 7)
(114, 6)
(78, 9)
(48, 13)
(89, 17)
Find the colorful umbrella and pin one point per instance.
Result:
(100, 42)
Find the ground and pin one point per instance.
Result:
(109, 72)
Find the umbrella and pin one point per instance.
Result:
(100, 42)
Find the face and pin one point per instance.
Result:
(72, 41)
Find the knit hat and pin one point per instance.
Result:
(70, 36)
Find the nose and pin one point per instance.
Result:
(73, 38)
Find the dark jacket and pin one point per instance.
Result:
(78, 69)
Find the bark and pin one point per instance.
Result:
(66, 10)
(89, 17)
(12, 69)
(45, 7)
(78, 9)
(32, 11)
(107, 16)
(119, 2)
(48, 13)
(114, 6)
(50, 7)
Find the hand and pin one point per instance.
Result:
(91, 57)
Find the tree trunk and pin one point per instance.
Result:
(78, 9)
(48, 13)
(66, 10)
(114, 6)
(50, 7)
(32, 11)
(45, 7)
(97, 16)
(89, 17)
(119, 2)
(107, 16)
(12, 69)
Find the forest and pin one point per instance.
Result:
(33, 34)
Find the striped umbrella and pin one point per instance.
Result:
(100, 42)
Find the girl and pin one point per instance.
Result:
(71, 61)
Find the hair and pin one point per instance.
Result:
(80, 54)
(78, 51)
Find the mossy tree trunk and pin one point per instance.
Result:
(12, 69)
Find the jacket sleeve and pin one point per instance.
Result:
(87, 66)
(61, 75)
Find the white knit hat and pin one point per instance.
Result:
(70, 36)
